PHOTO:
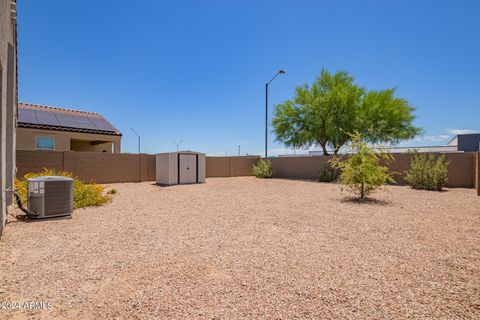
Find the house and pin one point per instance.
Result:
(56, 129)
(8, 103)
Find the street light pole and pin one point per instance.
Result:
(266, 120)
(138, 138)
(177, 144)
(266, 110)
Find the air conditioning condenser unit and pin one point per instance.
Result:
(50, 196)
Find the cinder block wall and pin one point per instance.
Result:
(230, 166)
(298, 167)
(35, 161)
(90, 166)
(477, 174)
(461, 171)
(110, 168)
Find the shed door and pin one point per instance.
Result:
(188, 168)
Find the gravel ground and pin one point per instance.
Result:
(244, 248)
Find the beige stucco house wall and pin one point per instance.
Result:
(69, 141)
(8, 103)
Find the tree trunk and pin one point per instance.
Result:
(338, 147)
(324, 149)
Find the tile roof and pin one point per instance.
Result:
(60, 119)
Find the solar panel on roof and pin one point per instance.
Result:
(102, 125)
(66, 120)
(27, 116)
(46, 118)
(85, 122)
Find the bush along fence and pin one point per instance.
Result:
(463, 170)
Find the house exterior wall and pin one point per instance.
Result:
(63, 140)
(86, 146)
(8, 103)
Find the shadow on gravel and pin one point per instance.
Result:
(371, 201)
(15, 218)
(161, 185)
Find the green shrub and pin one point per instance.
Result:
(112, 191)
(328, 174)
(84, 194)
(362, 174)
(263, 169)
(427, 172)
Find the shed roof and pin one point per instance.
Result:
(60, 119)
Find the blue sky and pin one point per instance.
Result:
(195, 70)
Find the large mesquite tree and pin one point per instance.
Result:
(329, 111)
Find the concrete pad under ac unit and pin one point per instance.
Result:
(181, 167)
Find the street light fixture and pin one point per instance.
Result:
(177, 144)
(266, 110)
(138, 137)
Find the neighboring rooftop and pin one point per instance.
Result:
(53, 118)
(469, 142)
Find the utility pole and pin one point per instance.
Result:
(239, 150)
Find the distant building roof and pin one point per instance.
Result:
(52, 118)
(421, 149)
(468, 142)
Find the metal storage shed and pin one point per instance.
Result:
(180, 167)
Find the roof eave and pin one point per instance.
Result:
(55, 128)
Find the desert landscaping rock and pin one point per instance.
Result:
(245, 248)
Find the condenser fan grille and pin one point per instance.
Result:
(58, 197)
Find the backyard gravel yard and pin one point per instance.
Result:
(245, 248)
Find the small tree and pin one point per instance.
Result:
(427, 172)
(326, 113)
(263, 169)
(362, 174)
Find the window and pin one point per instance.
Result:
(45, 143)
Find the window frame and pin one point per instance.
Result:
(47, 149)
